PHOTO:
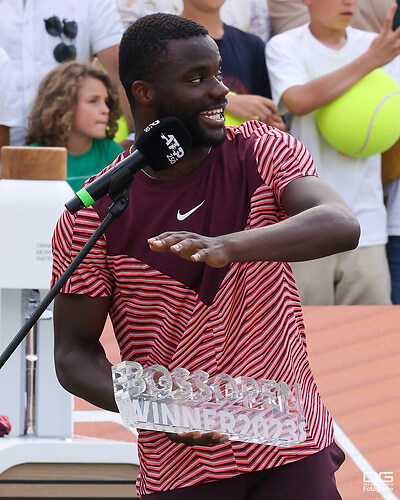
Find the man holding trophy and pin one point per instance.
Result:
(194, 276)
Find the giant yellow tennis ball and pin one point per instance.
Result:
(365, 120)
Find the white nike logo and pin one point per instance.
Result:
(180, 216)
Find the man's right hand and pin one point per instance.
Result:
(196, 438)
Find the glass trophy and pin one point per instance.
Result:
(245, 409)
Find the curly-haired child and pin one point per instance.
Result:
(77, 107)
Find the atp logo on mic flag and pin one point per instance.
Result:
(177, 151)
(164, 142)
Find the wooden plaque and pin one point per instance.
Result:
(33, 163)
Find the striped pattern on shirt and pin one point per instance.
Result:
(252, 327)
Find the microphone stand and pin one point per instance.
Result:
(120, 195)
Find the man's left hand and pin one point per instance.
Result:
(193, 247)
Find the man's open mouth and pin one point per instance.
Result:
(214, 114)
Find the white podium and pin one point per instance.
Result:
(29, 210)
(41, 443)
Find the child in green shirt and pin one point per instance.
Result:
(77, 107)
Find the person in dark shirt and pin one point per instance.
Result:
(243, 64)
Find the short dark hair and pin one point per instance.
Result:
(143, 48)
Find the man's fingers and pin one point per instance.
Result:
(184, 245)
(211, 438)
(185, 437)
(195, 438)
(193, 247)
(165, 240)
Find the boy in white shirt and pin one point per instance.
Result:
(309, 67)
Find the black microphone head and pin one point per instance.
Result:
(164, 142)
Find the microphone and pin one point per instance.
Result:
(161, 145)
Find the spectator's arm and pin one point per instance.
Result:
(303, 99)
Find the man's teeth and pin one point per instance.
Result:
(214, 114)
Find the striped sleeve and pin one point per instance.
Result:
(281, 158)
(93, 276)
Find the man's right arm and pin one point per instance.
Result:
(81, 364)
(303, 99)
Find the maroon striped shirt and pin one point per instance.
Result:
(244, 319)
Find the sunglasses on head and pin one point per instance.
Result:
(55, 27)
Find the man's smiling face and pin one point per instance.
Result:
(189, 86)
